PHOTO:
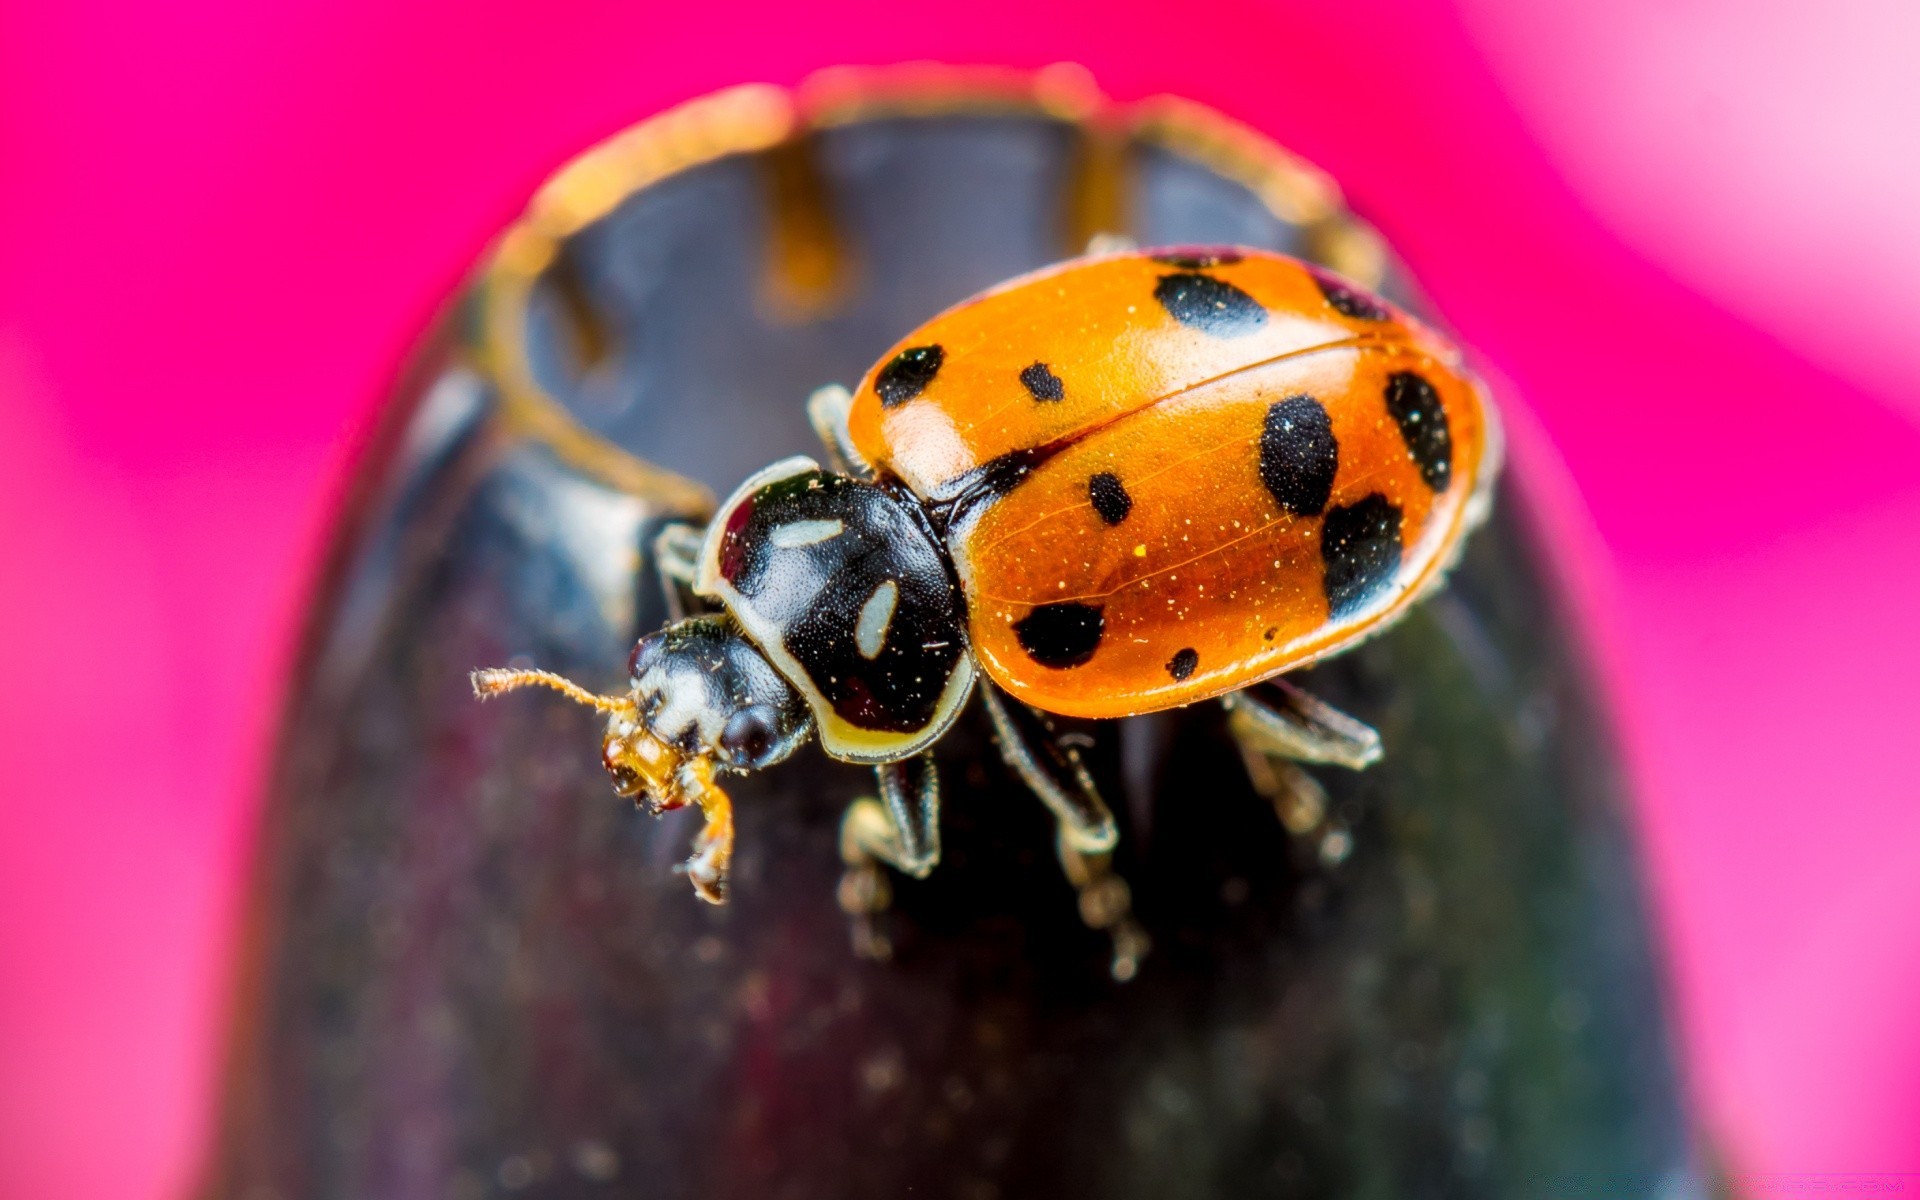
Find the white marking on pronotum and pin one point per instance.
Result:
(870, 631)
(806, 533)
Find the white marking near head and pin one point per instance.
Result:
(683, 706)
(679, 709)
(870, 631)
(807, 533)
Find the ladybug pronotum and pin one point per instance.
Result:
(1119, 485)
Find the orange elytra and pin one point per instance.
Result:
(1167, 475)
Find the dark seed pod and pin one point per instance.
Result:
(471, 972)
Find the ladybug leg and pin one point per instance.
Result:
(1105, 903)
(902, 830)
(1051, 766)
(1278, 727)
(827, 410)
(1280, 719)
(1300, 803)
(1085, 834)
(676, 554)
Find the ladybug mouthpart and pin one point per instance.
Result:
(641, 764)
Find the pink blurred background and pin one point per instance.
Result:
(1684, 236)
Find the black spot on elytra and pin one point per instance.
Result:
(1298, 455)
(1349, 301)
(1183, 662)
(1061, 635)
(1210, 305)
(1042, 384)
(1192, 258)
(1416, 409)
(1109, 497)
(908, 374)
(1360, 545)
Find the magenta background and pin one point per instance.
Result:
(1685, 237)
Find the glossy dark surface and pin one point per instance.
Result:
(476, 974)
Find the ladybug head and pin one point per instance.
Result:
(701, 688)
(702, 699)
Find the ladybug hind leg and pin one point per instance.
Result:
(900, 829)
(1085, 834)
(1278, 726)
(828, 409)
(1282, 720)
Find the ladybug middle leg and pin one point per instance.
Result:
(1085, 834)
(1278, 726)
(901, 829)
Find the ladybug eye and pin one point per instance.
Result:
(646, 652)
(749, 737)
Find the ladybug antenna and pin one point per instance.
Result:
(494, 681)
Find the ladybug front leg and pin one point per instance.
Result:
(901, 829)
(1278, 726)
(1085, 834)
(676, 555)
(827, 411)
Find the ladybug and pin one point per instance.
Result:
(1121, 484)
